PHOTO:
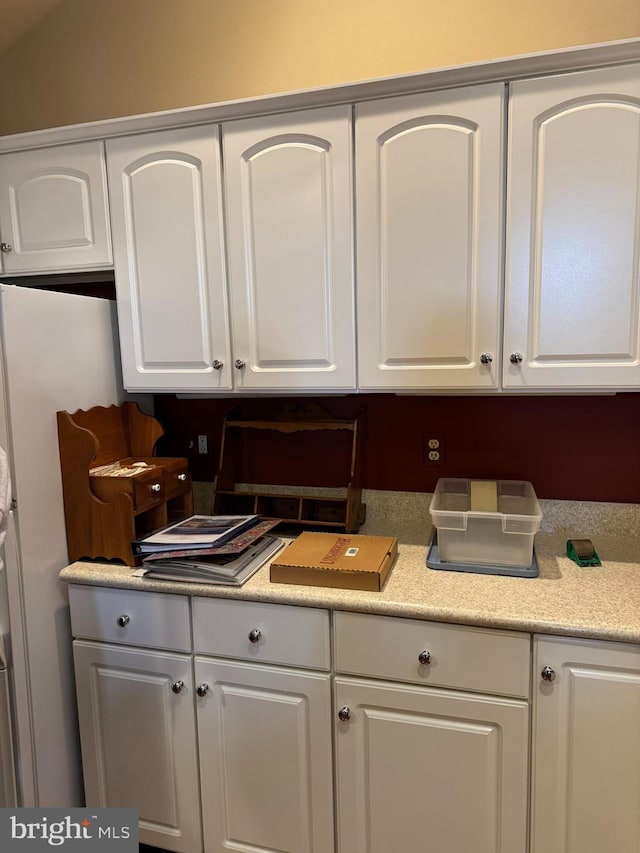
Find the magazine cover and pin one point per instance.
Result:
(197, 531)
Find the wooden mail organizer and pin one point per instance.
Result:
(115, 489)
(308, 508)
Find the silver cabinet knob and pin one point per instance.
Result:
(239, 363)
(123, 620)
(548, 674)
(425, 657)
(155, 487)
(217, 364)
(515, 358)
(202, 689)
(486, 358)
(344, 714)
(177, 686)
(182, 477)
(255, 635)
(6, 248)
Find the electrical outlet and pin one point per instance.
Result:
(433, 450)
(202, 444)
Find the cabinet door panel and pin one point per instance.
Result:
(586, 786)
(265, 758)
(426, 769)
(138, 739)
(572, 305)
(288, 182)
(53, 209)
(165, 191)
(429, 189)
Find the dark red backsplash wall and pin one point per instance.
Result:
(581, 448)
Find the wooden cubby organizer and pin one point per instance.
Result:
(103, 514)
(304, 506)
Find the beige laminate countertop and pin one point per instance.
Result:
(600, 603)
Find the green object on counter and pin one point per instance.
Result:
(582, 552)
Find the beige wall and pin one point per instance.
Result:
(95, 59)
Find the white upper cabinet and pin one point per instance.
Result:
(573, 235)
(166, 203)
(429, 182)
(53, 209)
(289, 218)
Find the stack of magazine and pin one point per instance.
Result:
(211, 549)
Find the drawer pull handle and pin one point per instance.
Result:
(217, 364)
(6, 248)
(548, 674)
(255, 635)
(486, 358)
(177, 686)
(239, 364)
(155, 487)
(515, 358)
(182, 477)
(202, 689)
(344, 714)
(123, 620)
(425, 657)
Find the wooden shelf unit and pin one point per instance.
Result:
(103, 514)
(305, 507)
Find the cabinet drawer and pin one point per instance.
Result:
(176, 477)
(149, 618)
(293, 636)
(462, 658)
(148, 490)
(145, 489)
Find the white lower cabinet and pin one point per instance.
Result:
(265, 758)
(419, 768)
(138, 736)
(264, 726)
(586, 747)
(219, 726)
(426, 768)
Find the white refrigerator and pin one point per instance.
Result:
(57, 351)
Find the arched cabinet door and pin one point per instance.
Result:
(429, 233)
(289, 217)
(166, 201)
(572, 310)
(54, 214)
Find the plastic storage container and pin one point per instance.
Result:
(502, 538)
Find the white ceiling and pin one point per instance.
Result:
(18, 16)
